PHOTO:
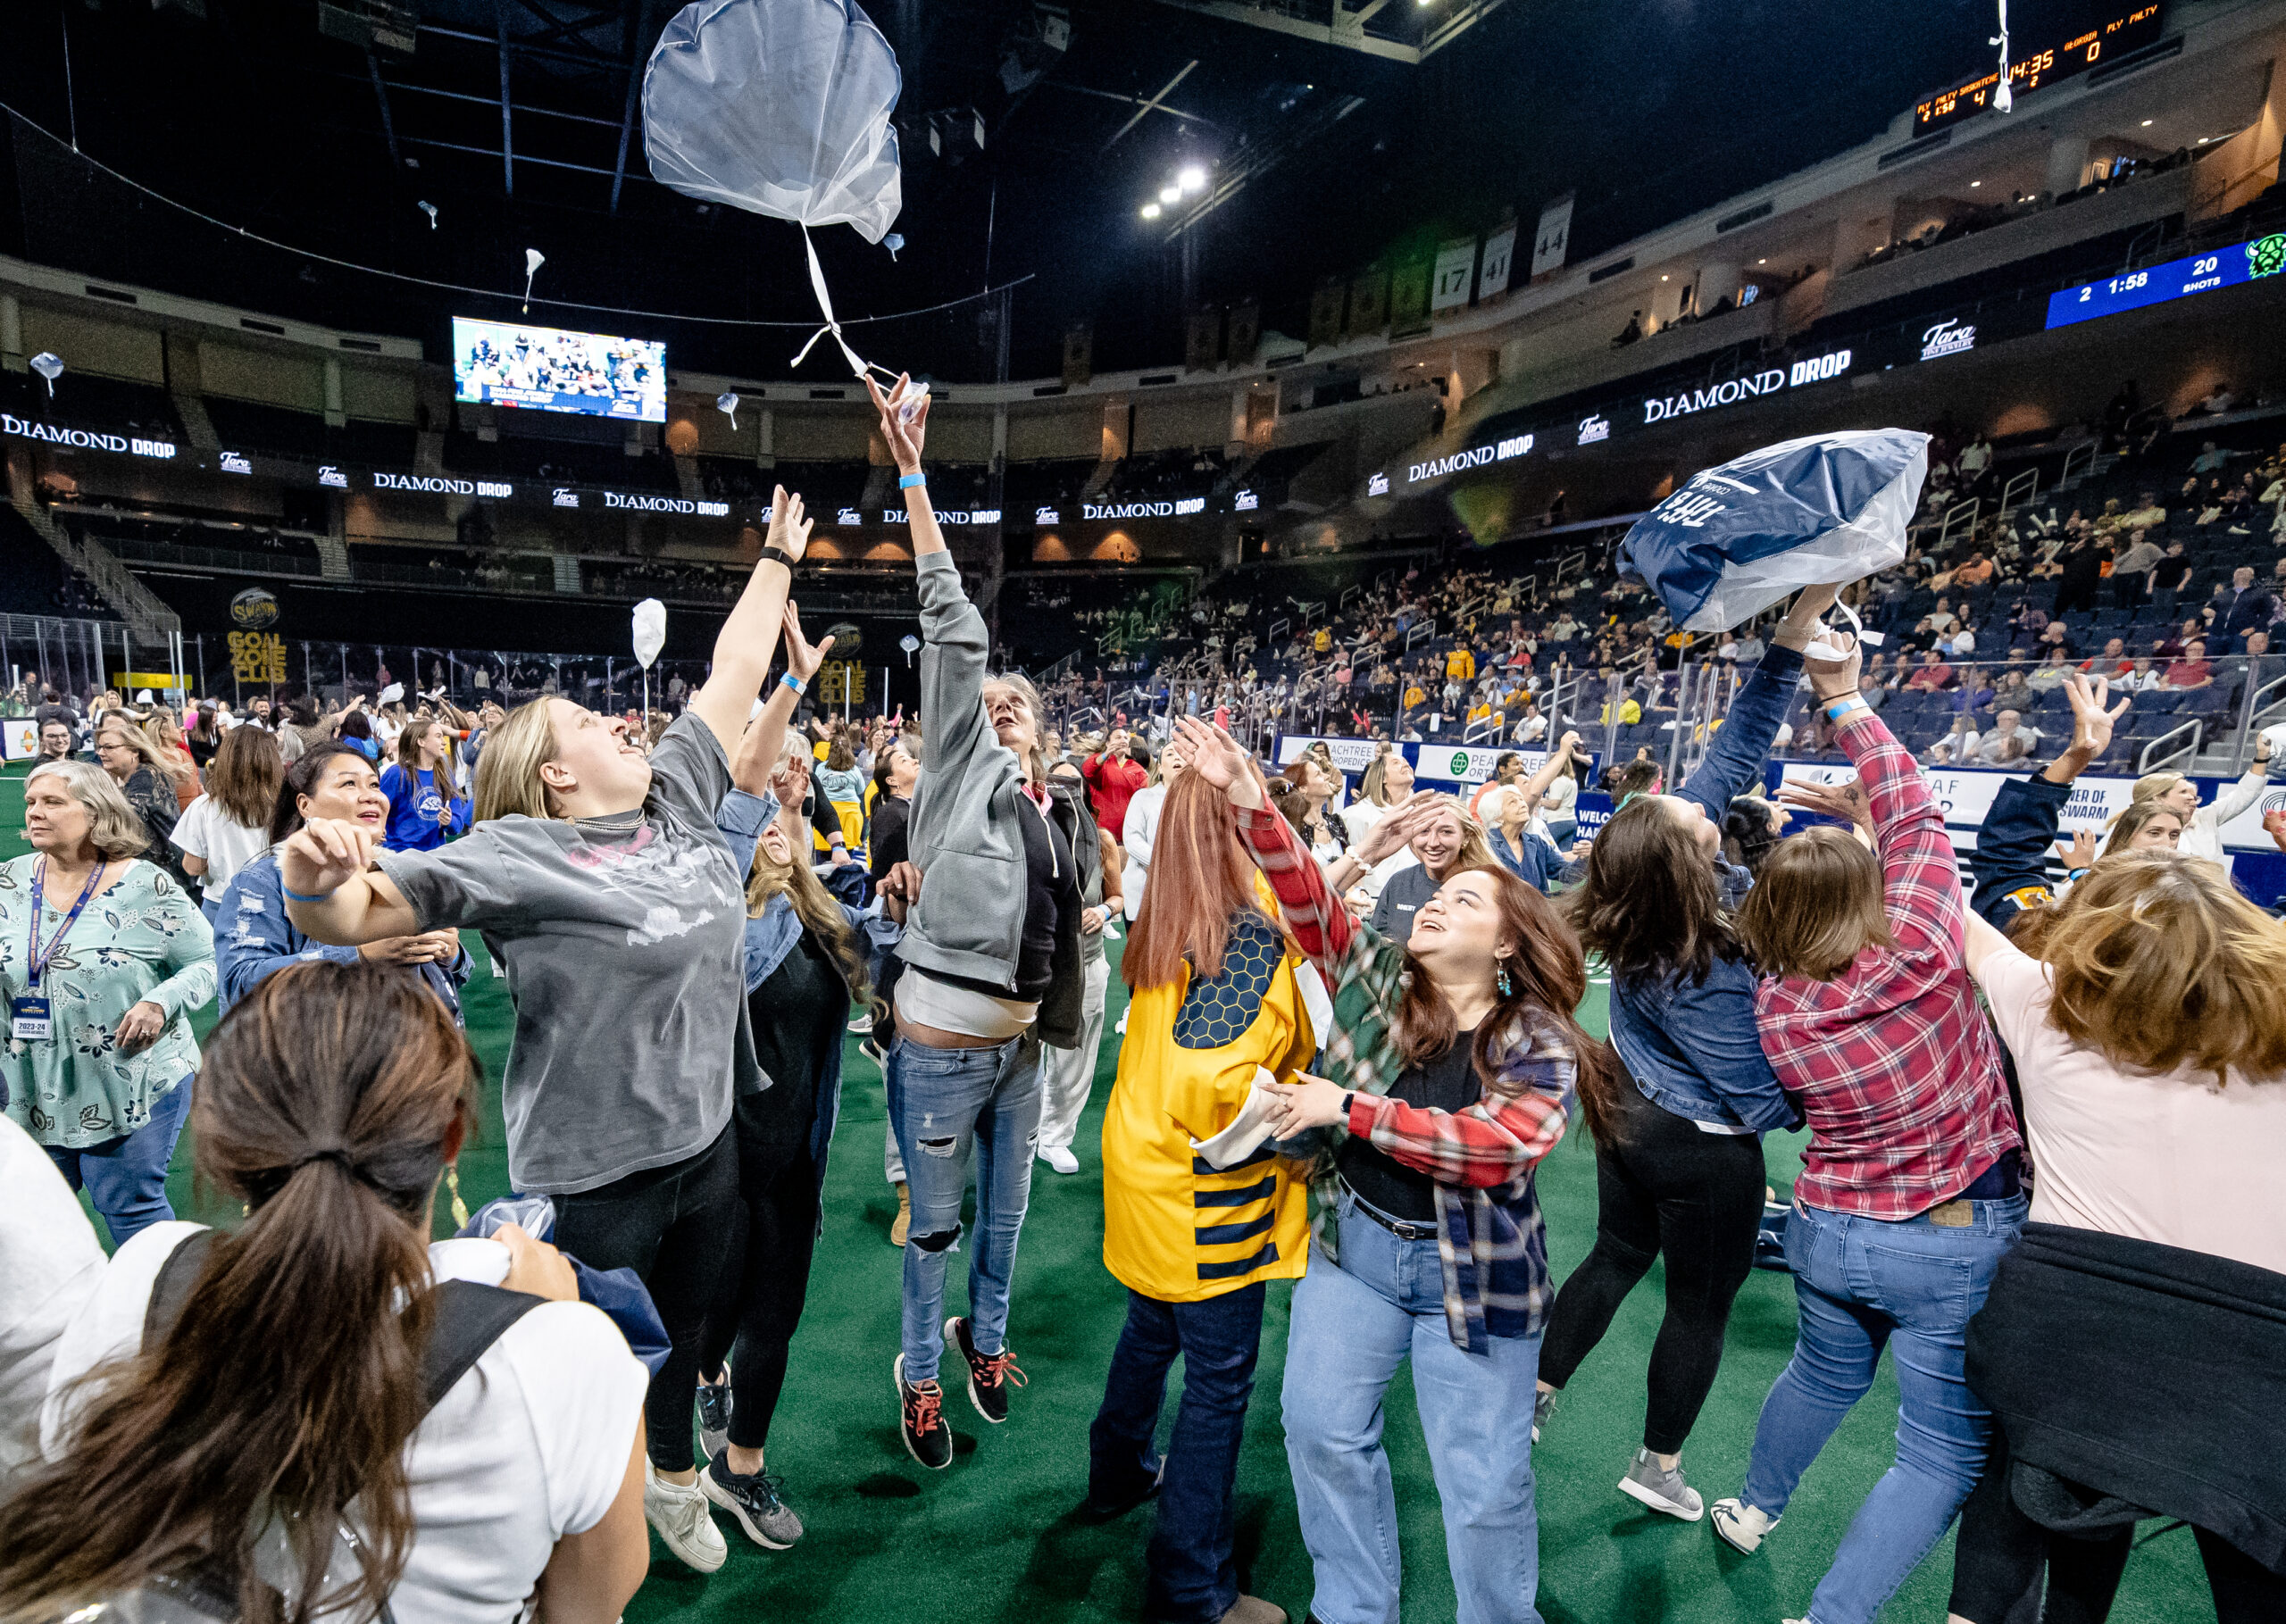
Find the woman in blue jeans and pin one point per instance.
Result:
(1909, 1195)
(1457, 1057)
(991, 952)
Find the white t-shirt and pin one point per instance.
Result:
(2171, 1159)
(49, 1263)
(207, 831)
(530, 1444)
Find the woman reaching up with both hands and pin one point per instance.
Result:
(598, 880)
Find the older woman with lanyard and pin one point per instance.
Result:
(102, 958)
(992, 970)
(599, 880)
(1457, 1057)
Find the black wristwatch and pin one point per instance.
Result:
(1348, 1101)
(782, 556)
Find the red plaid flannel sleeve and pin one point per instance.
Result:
(1920, 877)
(1311, 914)
(1495, 1142)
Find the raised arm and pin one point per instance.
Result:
(1736, 751)
(1920, 878)
(756, 760)
(749, 636)
(333, 892)
(905, 440)
(2011, 861)
(1558, 763)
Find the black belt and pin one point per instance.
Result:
(1404, 1229)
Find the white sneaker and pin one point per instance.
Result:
(863, 1023)
(1661, 1490)
(1743, 1526)
(678, 1512)
(1060, 1158)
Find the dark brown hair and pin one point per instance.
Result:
(1547, 977)
(300, 779)
(328, 1101)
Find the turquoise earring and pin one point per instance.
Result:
(1507, 989)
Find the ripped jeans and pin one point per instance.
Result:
(944, 1103)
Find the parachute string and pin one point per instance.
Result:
(487, 292)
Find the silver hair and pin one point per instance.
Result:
(113, 827)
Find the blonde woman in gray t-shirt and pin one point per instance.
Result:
(598, 881)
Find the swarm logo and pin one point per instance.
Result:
(253, 609)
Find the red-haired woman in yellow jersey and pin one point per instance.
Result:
(1215, 999)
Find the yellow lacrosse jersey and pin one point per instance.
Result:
(1174, 1229)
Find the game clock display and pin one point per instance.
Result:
(2053, 40)
(2249, 262)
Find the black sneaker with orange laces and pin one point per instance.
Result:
(921, 1421)
(990, 1375)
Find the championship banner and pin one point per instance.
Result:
(1456, 261)
(1500, 257)
(1553, 240)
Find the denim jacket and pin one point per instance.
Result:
(1693, 1047)
(253, 940)
(740, 820)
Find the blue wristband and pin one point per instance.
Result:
(796, 683)
(907, 481)
(296, 896)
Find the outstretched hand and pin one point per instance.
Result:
(1399, 825)
(1846, 800)
(790, 524)
(1211, 754)
(2091, 724)
(802, 659)
(903, 439)
(2079, 852)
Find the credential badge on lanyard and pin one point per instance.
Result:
(31, 1018)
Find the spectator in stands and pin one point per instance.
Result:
(2008, 741)
(2202, 835)
(2192, 670)
(309, 1369)
(2081, 574)
(2248, 607)
(1912, 1172)
(55, 741)
(1678, 1122)
(2216, 401)
(228, 826)
(98, 1063)
(1957, 747)
(2149, 1065)
(1932, 675)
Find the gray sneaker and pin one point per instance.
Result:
(713, 1418)
(1660, 1489)
(1543, 1409)
(754, 1501)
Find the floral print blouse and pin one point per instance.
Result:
(141, 940)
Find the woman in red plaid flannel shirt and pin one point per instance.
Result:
(1908, 1197)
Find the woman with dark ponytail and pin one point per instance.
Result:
(323, 1365)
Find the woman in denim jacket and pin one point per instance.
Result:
(1677, 1138)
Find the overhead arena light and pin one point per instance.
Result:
(1150, 211)
(1191, 179)
(1170, 194)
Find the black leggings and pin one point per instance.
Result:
(760, 1302)
(1667, 1188)
(668, 1224)
(2004, 1556)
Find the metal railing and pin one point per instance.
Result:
(2152, 755)
(2087, 462)
(2021, 490)
(1962, 515)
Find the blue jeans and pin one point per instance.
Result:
(1862, 1283)
(944, 1103)
(1192, 1577)
(1352, 1323)
(126, 1176)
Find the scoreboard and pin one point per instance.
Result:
(2061, 39)
(2196, 273)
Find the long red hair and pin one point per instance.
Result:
(1199, 877)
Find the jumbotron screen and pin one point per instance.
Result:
(545, 369)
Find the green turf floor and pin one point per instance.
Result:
(996, 1536)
